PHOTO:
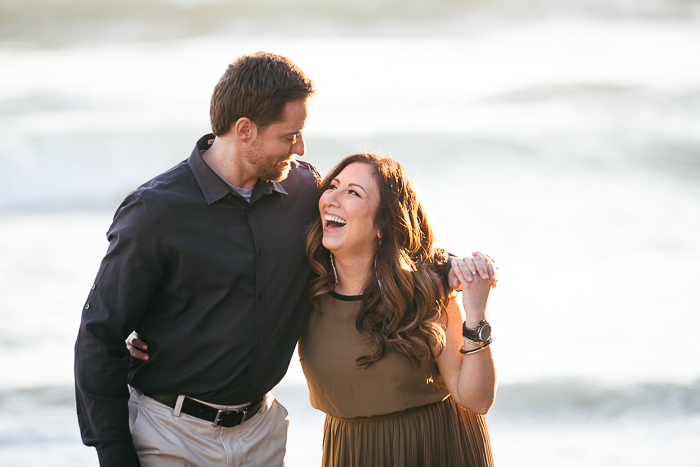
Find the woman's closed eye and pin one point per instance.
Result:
(334, 187)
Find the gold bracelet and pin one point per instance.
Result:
(468, 340)
(467, 352)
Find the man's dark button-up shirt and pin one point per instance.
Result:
(216, 286)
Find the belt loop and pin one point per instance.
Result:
(178, 406)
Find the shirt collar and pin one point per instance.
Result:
(212, 186)
(269, 187)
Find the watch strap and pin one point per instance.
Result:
(475, 335)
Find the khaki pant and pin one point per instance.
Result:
(163, 440)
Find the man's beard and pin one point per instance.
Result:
(267, 168)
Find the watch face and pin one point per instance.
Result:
(485, 332)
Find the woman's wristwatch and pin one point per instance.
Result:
(480, 335)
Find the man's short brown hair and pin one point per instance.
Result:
(257, 86)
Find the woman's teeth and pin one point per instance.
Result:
(334, 220)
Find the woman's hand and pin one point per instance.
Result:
(136, 347)
(475, 288)
(471, 379)
(479, 264)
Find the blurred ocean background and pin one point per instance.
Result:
(560, 136)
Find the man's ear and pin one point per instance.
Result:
(245, 130)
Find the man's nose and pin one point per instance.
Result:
(299, 148)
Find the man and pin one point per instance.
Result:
(206, 262)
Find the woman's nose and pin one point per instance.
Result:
(332, 199)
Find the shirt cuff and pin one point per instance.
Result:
(446, 268)
(118, 455)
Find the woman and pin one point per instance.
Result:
(381, 350)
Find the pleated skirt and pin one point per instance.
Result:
(443, 434)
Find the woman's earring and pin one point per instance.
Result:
(335, 273)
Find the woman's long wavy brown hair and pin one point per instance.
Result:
(402, 314)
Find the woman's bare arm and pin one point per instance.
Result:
(470, 378)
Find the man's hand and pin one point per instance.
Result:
(478, 263)
(136, 347)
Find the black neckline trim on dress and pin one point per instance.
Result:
(345, 298)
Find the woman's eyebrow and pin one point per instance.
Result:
(349, 184)
(358, 186)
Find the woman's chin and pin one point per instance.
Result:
(329, 244)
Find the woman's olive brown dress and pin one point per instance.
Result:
(389, 414)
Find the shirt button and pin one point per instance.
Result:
(93, 286)
(259, 254)
(257, 343)
(229, 197)
(247, 386)
(260, 297)
(87, 305)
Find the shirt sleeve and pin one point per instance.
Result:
(126, 281)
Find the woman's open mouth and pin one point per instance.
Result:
(333, 222)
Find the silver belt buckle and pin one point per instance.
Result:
(243, 411)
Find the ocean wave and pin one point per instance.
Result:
(56, 22)
(551, 399)
(20, 400)
(581, 400)
(96, 170)
(277, 7)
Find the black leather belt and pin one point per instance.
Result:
(225, 418)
